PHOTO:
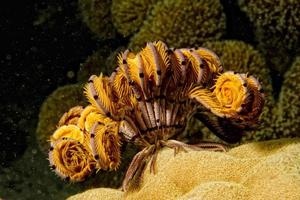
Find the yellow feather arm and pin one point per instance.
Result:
(86, 111)
(132, 61)
(106, 145)
(211, 59)
(71, 160)
(68, 131)
(149, 64)
(71, 117)
(104, 91)
(258, 100)
(231, 91)
(209, 101)
(164, 60)
(193, 66)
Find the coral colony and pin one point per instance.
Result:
(147, 101)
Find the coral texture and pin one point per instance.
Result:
(59, 102)
(129, 15)
(288, 108)
(96, 14)
(277, 29)
(261, 170)
(182, 23)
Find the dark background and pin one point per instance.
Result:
(35, 59)
(42, 43)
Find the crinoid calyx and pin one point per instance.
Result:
(147, 101)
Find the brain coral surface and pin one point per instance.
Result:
(261, 170)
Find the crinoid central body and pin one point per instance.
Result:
(148, 100)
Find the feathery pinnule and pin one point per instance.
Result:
(256, 105)
(82, 119)
(68, 155)
(105, 143)
(194, 63)
(70, 117)
(120, 83)
(211, 59)
(68, 131)
(96, 94)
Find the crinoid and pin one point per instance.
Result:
(147, 101)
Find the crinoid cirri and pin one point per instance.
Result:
(147, 101)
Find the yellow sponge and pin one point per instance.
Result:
(262, 170)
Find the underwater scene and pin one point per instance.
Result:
(150, 99)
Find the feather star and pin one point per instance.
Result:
(147, 101)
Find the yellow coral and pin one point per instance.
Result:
(262, 170)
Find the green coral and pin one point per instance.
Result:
(128, 16)
(96, 14)
(288, 108)
(112, 59)
(57, 103)
(277, 29)
(182, 23)
(94, 64)
(101, 61)
(243, 58)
